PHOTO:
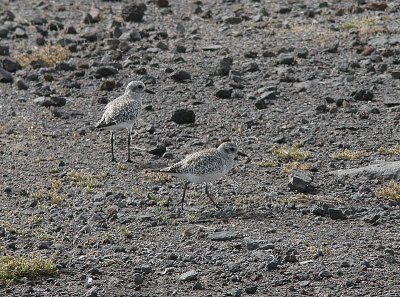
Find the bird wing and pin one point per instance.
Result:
(117, 111)
(197, 160)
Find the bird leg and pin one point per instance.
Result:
(209, 196)
(184, 193)
(112, 146)
(129, 146)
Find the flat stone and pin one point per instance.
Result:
(183, 116)
(5, 76)
(336, 214)
(188, 276)
(223, 236)
(300, 181)
(385, 170)
(224, 93)
(50, 101)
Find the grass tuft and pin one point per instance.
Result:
(349, 155)
(50, 55)
(289, 167)
(13, 268)
(87, 181)
(390, 151)
(293, 153)
(391, 191)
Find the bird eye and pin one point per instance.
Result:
(140, 87)
(232, 149)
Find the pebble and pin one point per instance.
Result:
(10, 65)
(133, 12)
(325, 273)
(362, 95)
(300, 181)
(183, 116)
(224, 66)
(188, 276)
(223, 236)
(105, 71)
(22, 85)
(5, 76)
(337, 214)
(4, 50)
(181, 76)
(286, 58)
(50, 101)
(251, 290)
(224, 93)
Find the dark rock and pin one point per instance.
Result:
(10, 65)
(5, 76)
(300, 181)
(133, 12)
(323, 108)
(55, 26)
(70, 30)
(233, 20)
(90, 35)
(224, 93)
(251, 54)
(336, 214)
(162, 3)
(325, 273)
(273, 265)
(302, 52)
(269, 54)
(385, 170)
(251, 67)
(180, 48)
(137, 279)
(94, 14)
(4, 50)
(252, 245)
(362, 95)
(162, 45)
(105, 71)
(63, 66)
(286, 58)
(181, 76)
(395, 74)
(251, 290)
(268, 95)
(4, 32)
(188, 276)
(224, 66)
(183, 116)
(223, 236)
(262, 104)
(107, 85)
(22, 85)
(159, 150)
(50, 101)
(332, 48)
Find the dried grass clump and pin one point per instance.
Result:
(50, 55)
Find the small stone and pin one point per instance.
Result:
(233, 20)
(323, 108)
(133, 12)
(137, 279)
(362, 95)
(325, 273)
(300, 181)
(395, 74)
(22, 85)
(332, 48)
(50, 101)
(273, 265)
(336, 214)
(90, 35)
(158, 150)
(302, 52)
(223, 236)
(251, 290)
(224, 66)
(92, 292)
(252, 245)
(188, 276)
(304, 283)
(10, 65)
(20, 33)
(4, 32)
(181, 76)
(262, 104)
(105, 71)
(162, 3)
(4, 50)
(107, 85)
(146, 268)
(183, 116)
(286, 58)
(5, 76)
(224, 93)
(269, 95)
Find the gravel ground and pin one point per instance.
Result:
(322, 77)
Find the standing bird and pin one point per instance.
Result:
(204, 166)
(123, 112)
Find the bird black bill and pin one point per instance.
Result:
(149, 91)
(242, 154)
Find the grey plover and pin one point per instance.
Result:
(123, 112)
(204, 166)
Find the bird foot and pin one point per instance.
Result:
(113, 159)
(129, 161)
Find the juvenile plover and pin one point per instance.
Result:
(123, 112)
(204, 166)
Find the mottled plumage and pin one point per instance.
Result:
(204, 166)
(123, 112)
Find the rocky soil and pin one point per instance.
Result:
(322, 75)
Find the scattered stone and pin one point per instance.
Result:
(50, 101)
(262, 104)
(224, 66)
(325, 273)
(224, 93)
(4, 50)
(385, 170)
(92, 292)
(273, 265)
(233, 20)
(251, 290)
(223, 236)
(362, 95)
(22, 85)
(159, 150)
(300, 181)
(10, 65)
(181, 76)
(188, 276)
(137, 279)
(302, 52)
(162, 3)
(107, 85)
(105, 71)
(4, 32)
(336, 214)
(133, 12)
(183, 116)
(5, 76)
(395, 74)
(20, 33)
(286, 58)
(332, 48)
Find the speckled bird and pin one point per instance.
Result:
(204, 166)
(123, 112)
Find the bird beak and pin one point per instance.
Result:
(149, 91)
